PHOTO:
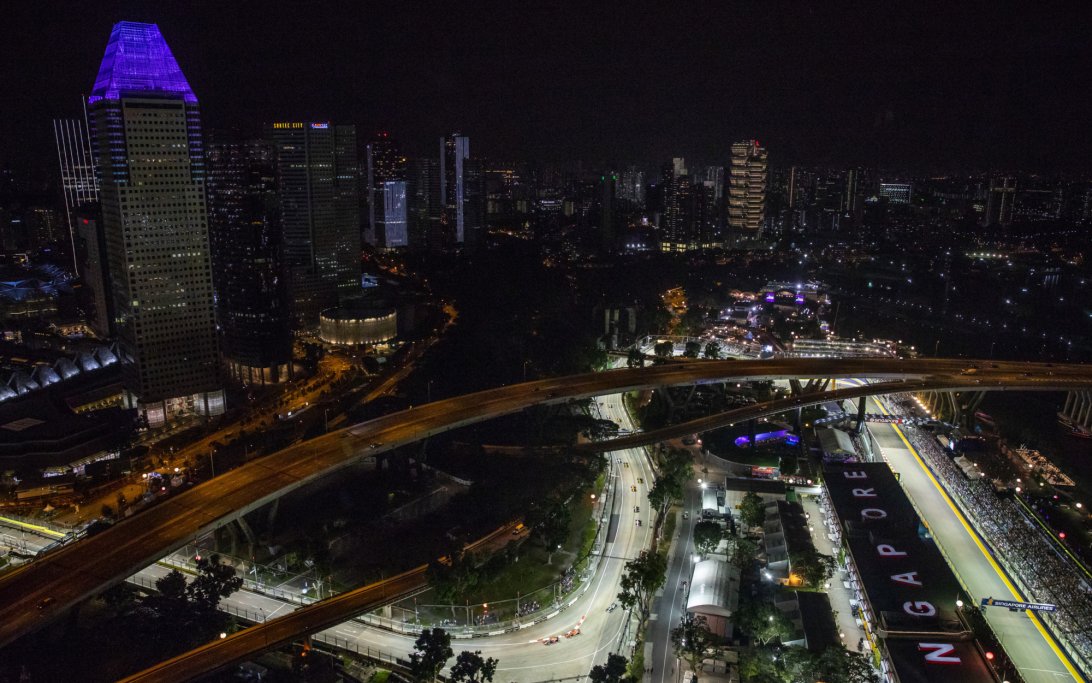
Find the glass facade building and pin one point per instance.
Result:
(149, 154)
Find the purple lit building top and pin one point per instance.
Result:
(138, 61)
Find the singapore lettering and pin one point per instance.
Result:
(936, 653)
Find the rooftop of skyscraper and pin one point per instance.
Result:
(138, 60)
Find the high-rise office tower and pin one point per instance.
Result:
(146, 137)
(318, 192)
(747, 190)
(675, 223)
(715, 175)
(78, 182)
(999, 202)
(607, 229)
(94, 269)
(255, 334)
(454, 152)
(394, 215)
(631, 187)
(385, 163)
(424, 204)
(462, 192)
(851, 198)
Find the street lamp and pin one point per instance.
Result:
(959, 604)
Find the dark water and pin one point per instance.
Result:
(1031, 418)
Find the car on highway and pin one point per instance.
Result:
(638, 522)
(636, 508)
(613, 606)
(640, 480)
(633, 488)
(46, 602)
(375, 445)
(689, 441)
(686, 515)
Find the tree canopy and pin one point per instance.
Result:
(812, 566)
(614, 671)
(707, 536)
(752, 511)
(431, 651)
(690, 639)
(640, 580)
(765, 622)
(471, 667)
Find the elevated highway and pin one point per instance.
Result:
(238, 647)
(36, 593)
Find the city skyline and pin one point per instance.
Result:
(626, 345)
(833, 86)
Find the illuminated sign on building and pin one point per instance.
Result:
(287, 125)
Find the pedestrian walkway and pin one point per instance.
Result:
(840, 596)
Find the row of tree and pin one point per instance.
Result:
(662, 351)
(431, 651)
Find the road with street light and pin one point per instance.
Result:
(76, 572)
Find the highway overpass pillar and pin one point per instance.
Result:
(860, 414)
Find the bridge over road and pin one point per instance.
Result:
(41, 591)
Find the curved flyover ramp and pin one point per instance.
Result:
(245, 644)
(80, 570)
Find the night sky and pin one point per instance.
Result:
(883, 84)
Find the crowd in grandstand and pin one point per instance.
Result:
(1023, 547)
(528, 607)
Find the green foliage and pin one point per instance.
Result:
(431, 651)
(838, 665)
(550, 524)
(744, 552)
(690, 639)
(471, 667)
(707, 535)
(712, 350)
(635, 358)
(758, 666)
(664, 349)
(692, 349)
(187, 612)
(642, 577)
(675, 470)
(764, 622)
(119, 598)
(752, 511)
(215, 580)
(614, 671)
(453, 576)
(813, 567)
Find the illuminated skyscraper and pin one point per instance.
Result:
(394, 216)
(631, 188)
(747, 191)
(146, 137)
(999, 202)
(462, 192)
(255, 335)
(676, 184)
(318, 191)
(78, 182)
(385, 163)
(897, 193)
